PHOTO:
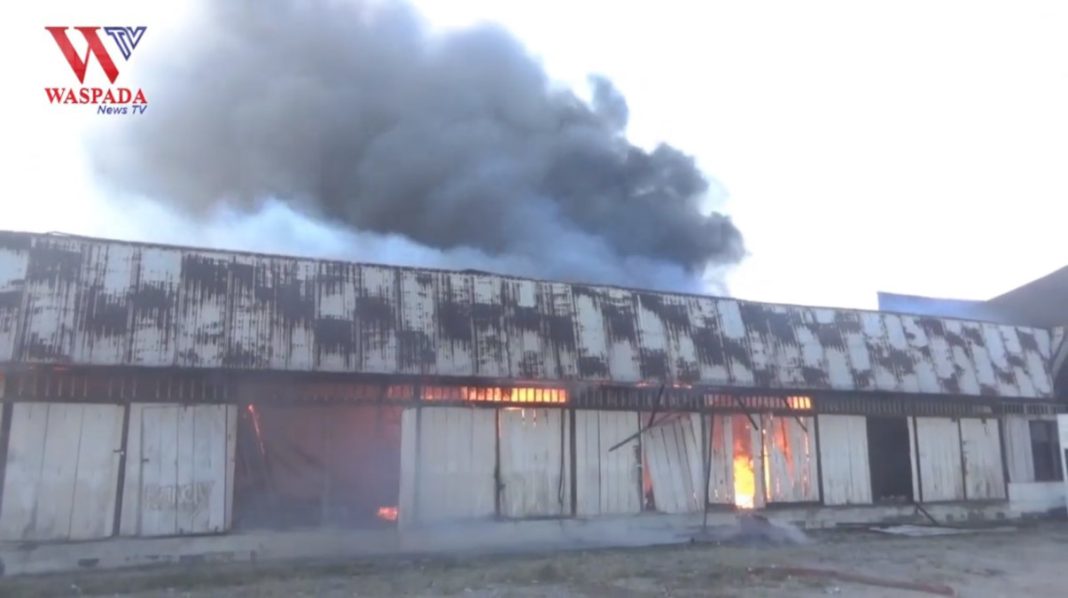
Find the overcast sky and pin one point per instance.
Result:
(911, 146)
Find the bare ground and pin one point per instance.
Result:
(1028, 561)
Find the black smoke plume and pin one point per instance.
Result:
(356, 116)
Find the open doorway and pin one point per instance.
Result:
(317, 465)
(890, 459)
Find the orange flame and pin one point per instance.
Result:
(744, 482)
(388, 513)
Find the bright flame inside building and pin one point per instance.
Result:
(388, 513)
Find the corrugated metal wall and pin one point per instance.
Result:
(74, 300)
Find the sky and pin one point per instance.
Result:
(908, 146)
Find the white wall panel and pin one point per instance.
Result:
(844, 459)
(676, 463)
(535, 464)
(62, 472)
(984, 475)
(179, 469)
(790, 445)
(607, 482)
(939, 460)
(449, 473)
(721, 472)
(1018, 453)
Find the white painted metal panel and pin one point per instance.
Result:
(608, 483)
(251, 311)
(790, 446)
(179, 469)
(51, 300)
(1062, 436)
(984, 475)
(919, 348)
(377, 309)
(154, 307)
(102, 324)
(209, 309)
(453, 464)
(417, 336)
(622, 324)
(13, 263)
(676, 463)
(1018, 451)
(202, 303)
(591, 339)
(844, 460)
(335, 314)
(62, 472)
(941, 475)
(721, 471)
(455, 328)
(490, 337)
(535, 466)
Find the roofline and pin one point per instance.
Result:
(59, 234)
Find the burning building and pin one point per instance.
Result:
(159, 391)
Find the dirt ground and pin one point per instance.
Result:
(1027, 561)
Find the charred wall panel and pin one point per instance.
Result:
(487, 315)
(51, 307)
(76, 300)
(203, 296)
(710, 344)
(14, 252)
(291, 313)
(454, 349)
(335, 334)
(103, 316)
(526, 326)
(154, 307)
(250, 309)
(376, 310)
(592, 336)
(417, 336)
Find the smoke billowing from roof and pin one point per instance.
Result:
(357, 117)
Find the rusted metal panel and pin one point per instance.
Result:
(14, 256)
(154, 307)
(376, 310)
(84, 301)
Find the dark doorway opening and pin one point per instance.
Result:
(317, 465)
(890, 459)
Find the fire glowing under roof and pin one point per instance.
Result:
(76, 300)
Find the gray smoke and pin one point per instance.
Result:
(357, 117)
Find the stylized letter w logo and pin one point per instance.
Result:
(126, 38)
(96, 47)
